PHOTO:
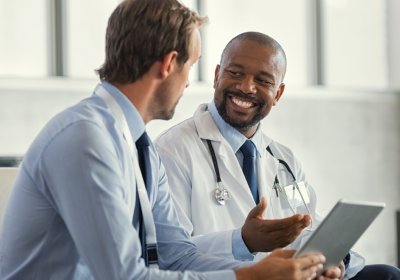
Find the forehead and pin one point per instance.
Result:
(195, 44)
(247, 53)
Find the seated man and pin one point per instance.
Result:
(221, 166)
(80, 208)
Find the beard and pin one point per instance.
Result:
(231, 120)
(165, 113)
(163, 107)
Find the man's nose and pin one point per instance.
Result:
(247, 85)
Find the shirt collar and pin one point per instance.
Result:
(134, 119)
(231, 134)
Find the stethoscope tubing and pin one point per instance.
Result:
(276, 180)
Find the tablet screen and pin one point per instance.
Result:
(341, 229)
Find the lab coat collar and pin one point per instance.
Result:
(235, 138)
(267, 165)
(206, 127)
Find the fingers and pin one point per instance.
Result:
(296, 221)
(310, 265)
(311, 260)
(282, 253)
(306, 221)
(331, 273)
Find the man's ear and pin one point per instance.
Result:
(216, 73)
(279, 93)
(168, 64)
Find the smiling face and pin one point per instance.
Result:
(247, 83)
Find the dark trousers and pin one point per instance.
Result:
(378, 272)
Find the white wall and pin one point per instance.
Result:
(348, 142)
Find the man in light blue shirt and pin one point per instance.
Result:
(75, 212)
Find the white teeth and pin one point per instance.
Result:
(241, 103)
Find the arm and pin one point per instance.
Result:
(92, 196)
(176, 250)
(180, 181)
(280, 265)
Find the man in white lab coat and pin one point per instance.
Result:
(204, 161)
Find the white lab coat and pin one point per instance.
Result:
(185, 154)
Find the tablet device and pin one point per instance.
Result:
(340, 230)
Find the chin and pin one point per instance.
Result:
(165, 116)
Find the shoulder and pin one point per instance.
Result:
(284, 153)
(278, 149)
(178, 135)
(77, 126)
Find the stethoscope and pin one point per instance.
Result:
(222, 194)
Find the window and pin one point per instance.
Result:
(355, 44)
(23, 38)
(339, 43)
(289, 26)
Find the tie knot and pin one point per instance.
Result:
(248, 149)
(143, 141)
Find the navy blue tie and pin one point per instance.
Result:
(249, 167)
(142, 146)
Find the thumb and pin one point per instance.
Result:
(257, 212)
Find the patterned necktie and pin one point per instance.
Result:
(142, 146)
(249, 167)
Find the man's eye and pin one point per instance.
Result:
(234, 73)
(264, 82)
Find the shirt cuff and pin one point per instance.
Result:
(239, 249)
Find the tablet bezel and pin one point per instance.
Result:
(341, 229)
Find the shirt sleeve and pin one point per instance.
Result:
(176, 250)
(239, 248)
(85, 184)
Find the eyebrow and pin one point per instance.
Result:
(262, 73)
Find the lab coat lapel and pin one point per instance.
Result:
(231, 173)
(267, 170)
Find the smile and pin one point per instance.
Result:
(242, 103)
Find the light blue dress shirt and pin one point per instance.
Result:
(236, 140)
(73, 211)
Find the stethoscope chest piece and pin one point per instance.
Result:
(221, 194)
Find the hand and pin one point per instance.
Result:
(333, 273)
(261, 235)
(280, 266)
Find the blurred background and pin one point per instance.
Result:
(340, 113)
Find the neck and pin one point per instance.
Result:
(139, 93)
(249, 132)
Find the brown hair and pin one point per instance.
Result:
(141, 32)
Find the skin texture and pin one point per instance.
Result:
(250, 73)
(267, 235)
